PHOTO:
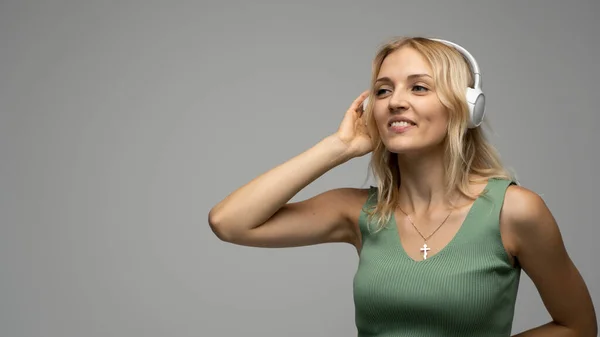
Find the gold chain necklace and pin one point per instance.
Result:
(425, 248)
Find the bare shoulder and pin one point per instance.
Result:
(523, 206)
(348, 201)
(526, 215)
(352, 196)
(354, 199)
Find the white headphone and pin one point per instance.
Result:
(475, 97)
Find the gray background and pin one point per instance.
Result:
(124, 122)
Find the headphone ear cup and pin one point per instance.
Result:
(476, 102)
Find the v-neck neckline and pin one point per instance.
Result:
(450, 244)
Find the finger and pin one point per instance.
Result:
(357, 104)
(361, 108)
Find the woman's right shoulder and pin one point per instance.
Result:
(348, 203)
(352, 195)
(349, 200)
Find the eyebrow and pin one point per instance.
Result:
(410, 77)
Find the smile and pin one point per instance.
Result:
(401, 127)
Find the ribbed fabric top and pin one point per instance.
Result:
(467, 289)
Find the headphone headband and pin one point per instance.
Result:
(475, 97)
(472, 62)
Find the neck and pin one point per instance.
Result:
(422, 182)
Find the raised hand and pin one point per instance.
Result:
(353, 131)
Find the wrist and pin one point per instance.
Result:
(337, 149)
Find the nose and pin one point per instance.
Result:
(398, 101)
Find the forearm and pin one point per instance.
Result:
(553, 329)
(254, 203)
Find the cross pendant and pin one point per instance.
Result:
(425, 249)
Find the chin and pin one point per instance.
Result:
(407, 150)
(410, 147)
(403, 147)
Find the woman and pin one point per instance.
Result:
(444, 235)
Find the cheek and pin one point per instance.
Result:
(436, 129)
(434, 125)
(438, 124)
(380, 120)
(436, 117)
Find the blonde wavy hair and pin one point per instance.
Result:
(467, 151)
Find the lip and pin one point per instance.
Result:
(401, 119)
(400, 129)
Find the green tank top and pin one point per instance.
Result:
(469, 288)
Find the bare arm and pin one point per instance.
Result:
(543, 256)
(259, 213)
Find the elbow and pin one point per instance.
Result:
(592, 332)
(231, 227)
(587, 330)
(590, 329)
(223, 229)
(217, 226)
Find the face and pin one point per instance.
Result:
(407, 110)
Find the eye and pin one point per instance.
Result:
(380, 92)
(420, 88)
